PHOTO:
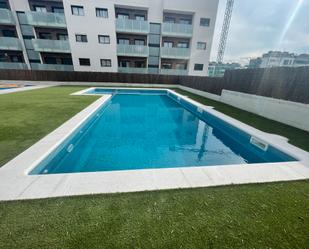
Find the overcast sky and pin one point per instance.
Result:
(263, 25)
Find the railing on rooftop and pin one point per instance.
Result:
(132, 50)
(175, 53)
(44, 19)
(55, 46)
(132, 26)
(6, 17)
(10, 43)
(177, 29)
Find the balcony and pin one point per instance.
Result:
(132, 26)
(177, 30)
(174, 71)
(41, 19)
(52, 67)
(143, 70)
(175, 53)
(132, 50)
(6, 17)
(13, 65)
(54, 46)
(10, 43)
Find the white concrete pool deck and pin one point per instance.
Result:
(22, 89)
(15, 183)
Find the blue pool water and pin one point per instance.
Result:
(150, 129)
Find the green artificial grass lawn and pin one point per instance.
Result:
(248, 216)
(25, 117)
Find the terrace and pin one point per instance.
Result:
(159, 218)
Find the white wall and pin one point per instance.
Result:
(201, 9)
(286, 112)
(93, 26)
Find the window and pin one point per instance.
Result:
(139, 64)
(3, 5)
(106, 63)
(182, 45)
(198, 67)
(62, 37)
(16, 58)
(205, 22)
(50, 60)
(58, 10)
(46, 36)
(201, 46)
(66, 61)
(185, 21)
(81, 38)
(169, 19)
(38, 8)
(168, 44)
(104, 39)
(166, 66)
(181, 66)
(101, 12)
(139, 42)
(140, 17)
(124, 64)
(77, 10)
(84, 61)
(123, 41)
(123, 16)
(8, 33)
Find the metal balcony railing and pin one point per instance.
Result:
(177, 29)
(175, 53)
(55, 46)
(174, 71)
(51, 67)
(6, 17)
(132, 50)
(44, 19)
(13, 65)
(132, 26)
(10, 43)
(132, 70)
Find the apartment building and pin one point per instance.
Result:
(131, 36)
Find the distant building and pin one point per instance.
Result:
(279, 59)
(218, 69)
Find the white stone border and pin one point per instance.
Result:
(16, 184)
(22, 89)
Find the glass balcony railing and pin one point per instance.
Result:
(10, 43)
(44, 19)
(174, 71)
(55, 46)
(177, 29)
(13, 65)
(132, 50)
(175, 53)
(51, 67)
(132, 26)
(6, 17)
(132, 70)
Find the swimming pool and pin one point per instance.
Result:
(146, 129)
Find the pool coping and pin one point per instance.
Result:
(16, 184)
(23, 89)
